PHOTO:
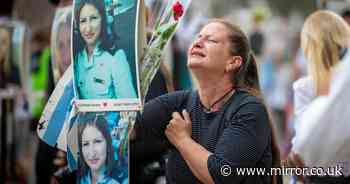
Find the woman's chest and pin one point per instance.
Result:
(210, 128)
(95, 79)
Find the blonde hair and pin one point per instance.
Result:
(323, 36)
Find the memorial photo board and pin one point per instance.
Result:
(105, 60)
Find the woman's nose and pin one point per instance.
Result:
(198, 42)
(92, 150)
(87, 25)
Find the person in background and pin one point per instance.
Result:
(324, 47)
(324, 40)
(346, 15)
(256, 37)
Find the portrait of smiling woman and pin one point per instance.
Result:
(96, 160)
(100, 71)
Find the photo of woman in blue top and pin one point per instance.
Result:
(96, 160)
(99, 73)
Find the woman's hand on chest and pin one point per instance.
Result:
(179, 128)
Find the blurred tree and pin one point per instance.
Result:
(221, 8)
(284, 8)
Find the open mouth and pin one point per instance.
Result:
(197, 53)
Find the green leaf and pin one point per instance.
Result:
(168, 32)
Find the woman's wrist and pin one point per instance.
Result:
(184, 142)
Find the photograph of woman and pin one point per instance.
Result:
(101, 69)
(97, 163)
(61, 43)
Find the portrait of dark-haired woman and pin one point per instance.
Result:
(99, 73)
(96, 160)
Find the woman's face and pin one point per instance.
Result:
(211, 49)
(5, 43)
(94, 148)
(90, 24)
(64, 48)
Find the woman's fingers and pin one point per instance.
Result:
(180, 122)
(186, 116)
(177, 115)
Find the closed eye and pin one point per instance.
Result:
(208, 38)
(213, 41)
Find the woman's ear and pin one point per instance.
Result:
(234, 63)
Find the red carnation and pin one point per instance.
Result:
(178, 10)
